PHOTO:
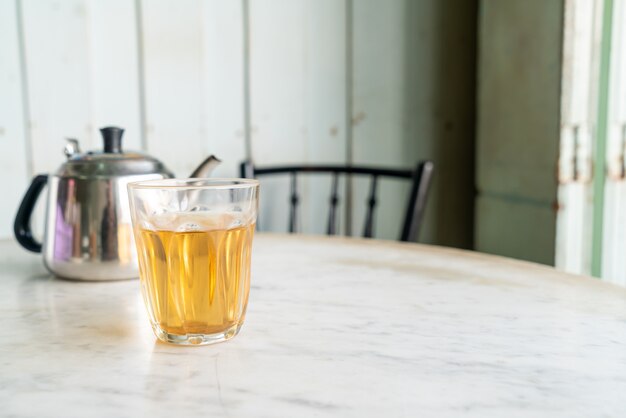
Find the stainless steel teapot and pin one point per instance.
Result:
(88, 233)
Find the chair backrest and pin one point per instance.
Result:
(420, 179)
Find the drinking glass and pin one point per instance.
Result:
(194, 243)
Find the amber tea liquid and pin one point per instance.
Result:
(196, 282)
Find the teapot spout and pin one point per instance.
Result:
(206, 167)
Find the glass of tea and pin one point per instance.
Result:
(194, 243)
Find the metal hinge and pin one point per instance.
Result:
(575, 160)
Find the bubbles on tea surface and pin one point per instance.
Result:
(200, 208)
(196, 220)
(189, 227)
(235, 222)
(147, 225)
(162, 221)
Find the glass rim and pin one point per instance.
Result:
(212, 183)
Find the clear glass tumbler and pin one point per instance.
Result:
(194, 242)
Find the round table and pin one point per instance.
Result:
(335, 327)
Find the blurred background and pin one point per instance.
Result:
(521, 105)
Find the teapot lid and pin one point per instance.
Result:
(111, 161)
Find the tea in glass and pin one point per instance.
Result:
(194, 264)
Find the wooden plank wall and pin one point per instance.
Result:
(281, 81)
(414, 95)
(614, 245)
(14, 134)
(297, 99)
(579, 85)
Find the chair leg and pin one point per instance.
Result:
(334, 200)
(368, 230)
(417, 201)
(293, 214)
(246, 169)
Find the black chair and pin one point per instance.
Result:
(420, 179)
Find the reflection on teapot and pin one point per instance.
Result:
(88, 232)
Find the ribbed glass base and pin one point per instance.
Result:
(196, 339)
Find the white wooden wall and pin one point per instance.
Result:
(15, 158)
(281, 81)
(614, 237)
(579, 87)
(583, 36)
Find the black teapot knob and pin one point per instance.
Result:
(112, 136)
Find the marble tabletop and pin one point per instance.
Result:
(335, 327)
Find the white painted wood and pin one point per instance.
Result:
(193, 82)
(223, 93)
(13, 159)
(573, 229)
(297, 84)
(81, 60)
(379, 109)
(578, 107)
(614, 239)
(59, 78)
(113, 60)
(414, 99)
(89, 62)
(172, 47)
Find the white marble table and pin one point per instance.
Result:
(335, 327)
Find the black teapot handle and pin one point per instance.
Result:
(21, 227)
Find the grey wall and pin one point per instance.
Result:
(440, 106)
(519, 79)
